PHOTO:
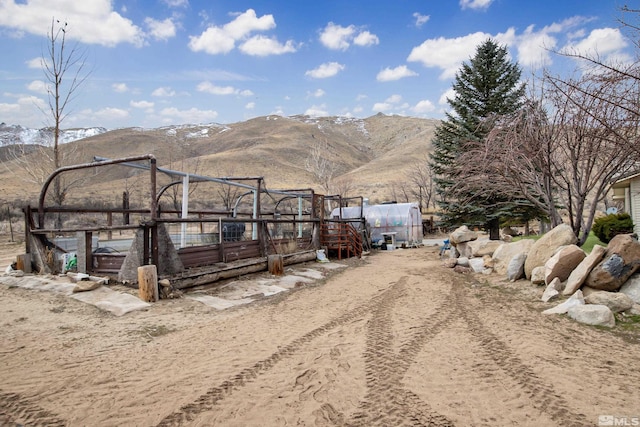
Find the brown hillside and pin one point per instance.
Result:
(374, 154)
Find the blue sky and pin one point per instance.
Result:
(162, 62)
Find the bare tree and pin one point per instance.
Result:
(64, 72)
(623, 74)
(61, 60)
(562, 158)
(321, 167)
(422, 187)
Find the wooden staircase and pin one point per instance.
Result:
(341, 239)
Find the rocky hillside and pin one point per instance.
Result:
(371, 155)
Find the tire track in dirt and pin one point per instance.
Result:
(387, 401)
(213, 396)
(17, 411)
(541, 395)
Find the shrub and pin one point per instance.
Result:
(607, 227)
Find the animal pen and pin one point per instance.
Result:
(189, 247)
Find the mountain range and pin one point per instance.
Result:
(369, 157)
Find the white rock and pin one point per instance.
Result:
(593, 314)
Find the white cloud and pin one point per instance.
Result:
(318, 93)
(365, 38)
(265, 46)
(145, 105)
(92, 22)
(163, 92)
(389, 104)
(120, 87)
(317, 111)
(447, 54)
(216, 40)
(337, 37)
(449, 94)
(208, 87)
(191, 116)
(26, 110)
(421, 19)
(394, 99)
(328, 69)
(34, 63)
(213, 41)
(475, 4)
(424, 106)
(389, 74)
(38, 86)
(161, 30)
(177, 3)
(601, 41)
(381, 107)
(250, 106)
(102, 117)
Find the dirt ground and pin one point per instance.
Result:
(394, 339)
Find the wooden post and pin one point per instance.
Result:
(148, 283)
(23, 262)
(275, 264)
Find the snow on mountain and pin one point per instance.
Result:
(16, 134)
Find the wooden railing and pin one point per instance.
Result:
(341, 239)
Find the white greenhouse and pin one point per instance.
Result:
(396, 222)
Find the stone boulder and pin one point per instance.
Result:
(616, 301)
(580, 273)
(621, 260)
(502, 256)
(462, 234)
(477, 264)
(537, 276)
(592, 314)
(487, 260)
(552, 291)
(482, 247)
(562, 263)
(631, 288)
(515, 269)
(464, 249)
(547, 245)
(563, 307)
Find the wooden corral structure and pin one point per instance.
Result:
(189, 247)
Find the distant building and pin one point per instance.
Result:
(627, 190)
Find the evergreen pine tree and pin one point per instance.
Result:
(488, 85)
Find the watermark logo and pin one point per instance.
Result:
(613, 420)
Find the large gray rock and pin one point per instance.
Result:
(502, 256)
(631, 288)
(515, 269)
(547, 245)
(462, 234)
(580, 273)
(592, 314)
(477, 264)
(562, 263)
(464, 249)
(482, 247)
(537, 276)
(621, 260)
(552, 291)
(616, 301)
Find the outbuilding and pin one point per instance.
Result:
(400, 222)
